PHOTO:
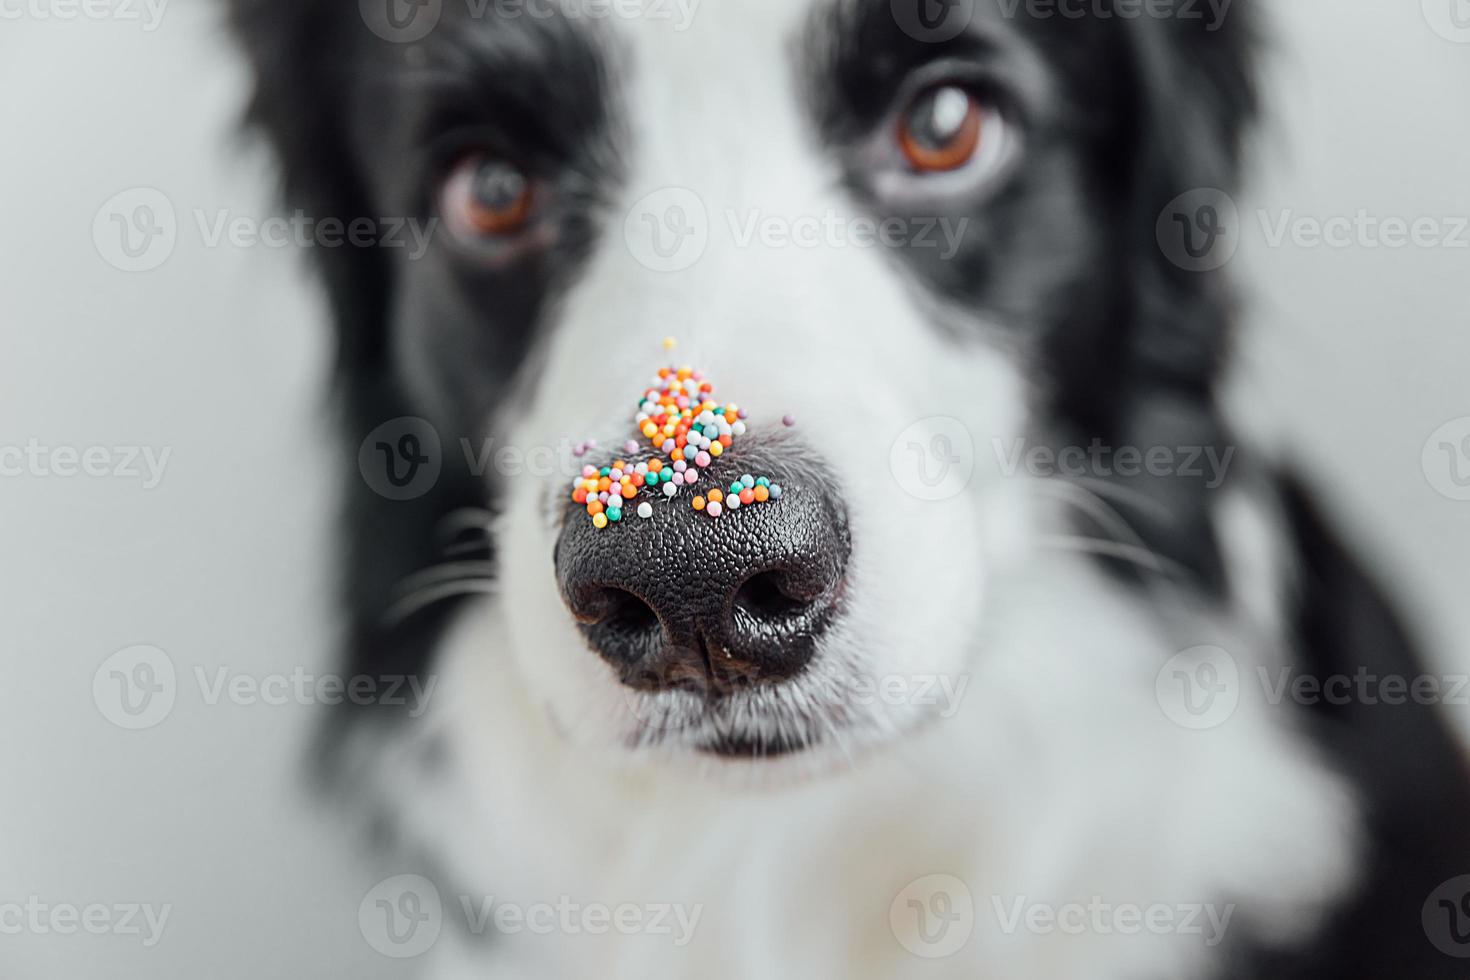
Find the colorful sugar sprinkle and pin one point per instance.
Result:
(682, 422)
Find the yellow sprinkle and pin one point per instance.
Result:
(670, 343)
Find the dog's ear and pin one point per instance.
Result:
(1192, 99)
(1195, 98)
(298, 55)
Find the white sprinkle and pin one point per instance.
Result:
(645, 509)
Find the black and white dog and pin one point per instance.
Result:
(1013, 720)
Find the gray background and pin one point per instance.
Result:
(1356, 354)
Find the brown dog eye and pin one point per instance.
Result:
(486, 198)
(941, 129)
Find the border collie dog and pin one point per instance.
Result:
(1089, 702)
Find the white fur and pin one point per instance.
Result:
(1057, 778)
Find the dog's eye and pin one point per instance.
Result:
(941, 129)
(486, 198)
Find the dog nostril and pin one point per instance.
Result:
(612, 607)
(770, 596)
(627, 613)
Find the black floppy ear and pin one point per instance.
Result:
(1193, 100)
(298, 53)
(302, 58)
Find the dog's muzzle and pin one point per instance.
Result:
(710, 604)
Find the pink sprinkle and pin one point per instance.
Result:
(740, 414)
(702, 460)
(631, 446)
(591, 444)
(697, 375)
(615, 474)
(589, 470)
(691, 477)
(788, 420)
(682, 401)
(669, 446)
(713, 508)
(580, 449)
(679, 466)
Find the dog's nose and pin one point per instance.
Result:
(685, 600)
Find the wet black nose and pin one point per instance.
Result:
(685, 600)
